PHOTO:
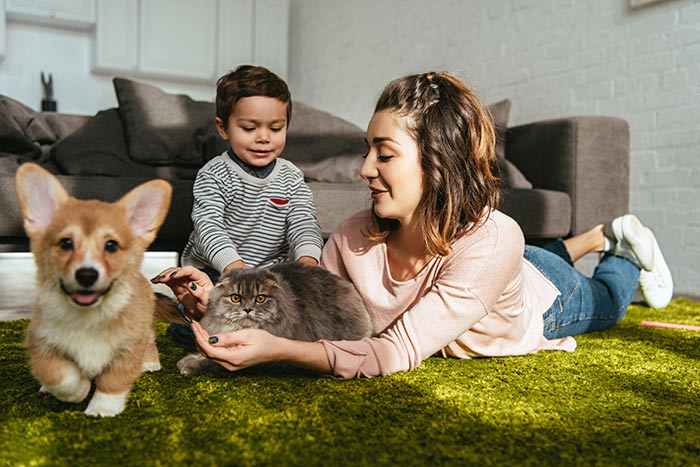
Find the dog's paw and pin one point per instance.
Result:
(150, 366)
(192, 364)
(106, 405)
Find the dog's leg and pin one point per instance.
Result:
(151, 360)
(114, 384)
(103, 404)
(60, 377)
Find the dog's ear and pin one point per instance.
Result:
(40, 195)
(146, 207)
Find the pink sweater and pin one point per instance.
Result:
(483, 299)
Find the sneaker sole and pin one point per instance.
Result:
(657, 297)
(633, 235)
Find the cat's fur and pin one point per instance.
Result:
(288, 300)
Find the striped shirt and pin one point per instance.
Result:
(262, 221)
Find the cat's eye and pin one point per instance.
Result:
(260, 298)
(235, 298)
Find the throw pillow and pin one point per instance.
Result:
(162, 128)
(511, 175)
(336, 169)
(25, 135)
(315, 135)
(99, 148)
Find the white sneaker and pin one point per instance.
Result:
(634, 241)
(656, 285)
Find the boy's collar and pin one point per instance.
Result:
(259, 172)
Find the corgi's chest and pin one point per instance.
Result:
(82, 334)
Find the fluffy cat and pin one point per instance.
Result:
(288, 300)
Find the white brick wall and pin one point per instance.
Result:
(551, 58)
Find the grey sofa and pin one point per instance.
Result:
(560, 176)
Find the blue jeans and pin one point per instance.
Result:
(585, 304)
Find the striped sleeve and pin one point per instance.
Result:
(210, 233)
(303, 231)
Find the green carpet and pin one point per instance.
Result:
(627, 396)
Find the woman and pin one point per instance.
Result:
(439, 268)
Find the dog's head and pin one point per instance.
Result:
(84, 246)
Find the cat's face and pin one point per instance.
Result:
(243, 298)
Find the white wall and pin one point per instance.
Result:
(66, 54)
(552, 58)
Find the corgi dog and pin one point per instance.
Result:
(94, 316)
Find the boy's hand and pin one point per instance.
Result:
(236, 265)
(307, 261)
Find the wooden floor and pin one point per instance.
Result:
(17, 280)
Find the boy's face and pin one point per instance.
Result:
(256, 129)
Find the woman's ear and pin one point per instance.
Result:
(221, 128)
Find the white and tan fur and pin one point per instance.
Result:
(94, 318)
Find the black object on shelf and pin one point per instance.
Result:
(48, 104)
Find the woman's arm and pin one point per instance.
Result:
(248, 347)
(190, 286)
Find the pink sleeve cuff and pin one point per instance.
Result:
(344, 358)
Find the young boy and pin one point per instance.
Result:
(251, 208)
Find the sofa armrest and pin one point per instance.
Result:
(586, 157)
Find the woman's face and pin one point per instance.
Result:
(392, 167)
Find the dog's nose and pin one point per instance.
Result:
(86, 276)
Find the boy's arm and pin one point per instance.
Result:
(213, 240)
(303, 231)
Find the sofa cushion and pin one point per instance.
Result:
(511, 175)
(162, 128)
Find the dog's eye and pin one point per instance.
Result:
(260, 299)
(235, 298)
(66, 244)
(111, 246)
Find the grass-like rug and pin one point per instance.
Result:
(627, 396)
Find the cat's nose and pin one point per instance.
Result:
(247, 310)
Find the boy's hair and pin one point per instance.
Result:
(456, 144)
(248, 81)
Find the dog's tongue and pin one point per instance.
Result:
(85, 298)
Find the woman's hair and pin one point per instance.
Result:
(456, 141)
(248, 81)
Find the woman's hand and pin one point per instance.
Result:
(248, 347)
(190, 286)
(237, 350)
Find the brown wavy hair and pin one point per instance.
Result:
(456, 143)
(248, 81)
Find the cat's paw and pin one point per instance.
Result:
(192, 364)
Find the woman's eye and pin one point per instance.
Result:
(276, 129)
(111, 246)
(247, 128)
(66, 244)
(260, 299)
(383, 158)
(235, 298)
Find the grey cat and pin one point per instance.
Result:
(288, 300)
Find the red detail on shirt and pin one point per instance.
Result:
(279, 201)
